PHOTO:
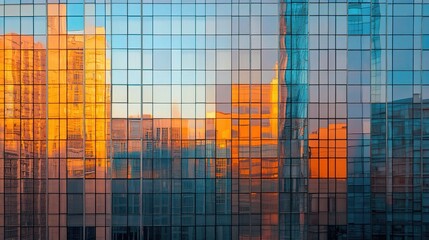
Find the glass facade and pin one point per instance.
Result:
(214, 119)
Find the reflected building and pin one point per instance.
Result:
(398, 167)
(250, 133)
(327, 185)
(108, 158)
(78, 112)
(23, 134)
(220, 172)
(55, 135)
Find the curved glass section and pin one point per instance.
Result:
(293, 131)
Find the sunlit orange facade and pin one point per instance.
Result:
(327, 178)
(58, 128)
(78, 96)
(78, 113)
(23, 131)
(55, 109)
(250, 133)
(328, 152)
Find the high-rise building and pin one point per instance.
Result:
(78, 113)
(327, 182)
(23, 134)
(55, 131)
(214, 119)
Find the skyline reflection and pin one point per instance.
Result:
(76, 167)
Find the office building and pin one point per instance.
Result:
(204, 119)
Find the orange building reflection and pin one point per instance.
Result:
(56, 117)
(327, 185)
(243, 145)
(78, 96)
(328, 152)
(56, 107)
(22, 133)
(78, 118)
(250, 133)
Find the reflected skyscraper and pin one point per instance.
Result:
(56, 106)
(23, 131)
(327, 185)
(78, 112)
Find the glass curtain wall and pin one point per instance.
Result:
(214, 119)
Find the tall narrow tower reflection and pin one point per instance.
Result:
(22, 135)
(78, 125)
